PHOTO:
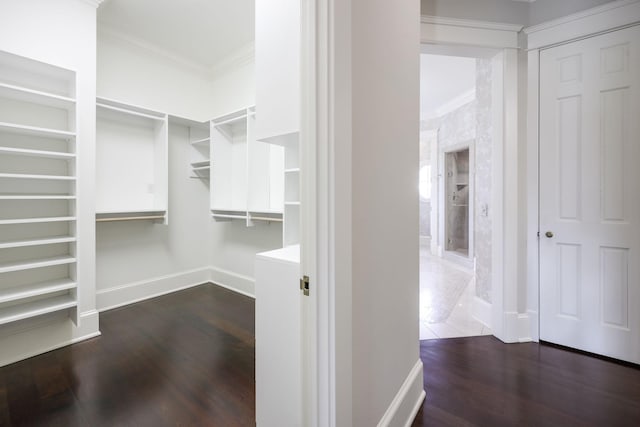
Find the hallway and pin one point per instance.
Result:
(446, 298)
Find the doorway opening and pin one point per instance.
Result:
(455, 191)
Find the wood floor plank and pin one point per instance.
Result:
(479, 381)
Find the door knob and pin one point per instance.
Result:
(549, 234)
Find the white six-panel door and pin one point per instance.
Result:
(590, 194)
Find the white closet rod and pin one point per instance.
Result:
(226, 122)
(265, 218)
(133, 113)
(130, 218)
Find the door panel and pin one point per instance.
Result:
(590, 194)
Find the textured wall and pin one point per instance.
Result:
(483, 179)
(472, 121)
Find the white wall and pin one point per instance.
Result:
(383, 212)
(140, 255)
(506, 11)
(131, 73)
(63, 33)
(545, 10)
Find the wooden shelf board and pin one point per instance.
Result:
(32, 176)
(27, 291)
(36, 308)
(29, 265)
(36, 197)
(21, 93)
(37, 242)
(37, 220)
(36, 153)
(201, 141)
(36, 131)
(131, 112)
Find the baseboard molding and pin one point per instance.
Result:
(517, 327)
(406, 403)
(481, 311)
(244, 285)
(56, 334)
(534, 325)
(118, 296)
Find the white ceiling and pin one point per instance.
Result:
(204, 32)
(443, 79)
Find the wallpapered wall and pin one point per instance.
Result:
(472, 121)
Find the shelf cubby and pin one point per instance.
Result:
(38, 266)
(138, 182)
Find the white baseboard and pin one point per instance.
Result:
(481, 311)
(517, 327)
(244, 285)
(406, 403)
(534, 325)
(117, 296)
(59, 332)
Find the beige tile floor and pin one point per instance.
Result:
(460, 323)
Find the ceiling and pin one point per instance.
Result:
(204, 32)
(442, 79)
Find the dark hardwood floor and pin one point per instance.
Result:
(479, 381)
(187, 359)
(184, 359)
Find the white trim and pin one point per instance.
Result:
(470, 23)
(47, 337)
(481, 311)
(106, 31)
(94, 3)
(532, 257)
(441, 30)
(240, 58)
(607, 17)
(407, 401)
(118, 296)
(238, 283)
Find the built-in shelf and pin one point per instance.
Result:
(36, 131)
(36, 197)
(201, 141)
(457, 205)
(200, 164)
(36, 308)
(20, 93)
(40, 263)
(131, 112)
(137, 215)
(37, 242)
(37, 220)
(31, 176)
(231, 120)
(36, 153)
(292, 170)
(36, 289)
(292, 203)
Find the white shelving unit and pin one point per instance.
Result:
(246, 175)
(134, 186)
(38, 264)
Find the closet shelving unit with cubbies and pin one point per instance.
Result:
(38, 202)
(246, 175)
(132, 181)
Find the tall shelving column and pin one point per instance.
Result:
(38, 264)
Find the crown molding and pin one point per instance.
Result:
(579, 15)
(94, 3)
(241, 57)
(470, 23)
(108, 31)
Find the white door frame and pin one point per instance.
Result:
(506, 323)
(609, 17)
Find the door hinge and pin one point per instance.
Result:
(304, 285)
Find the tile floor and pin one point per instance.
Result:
(440, 284)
